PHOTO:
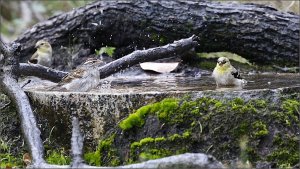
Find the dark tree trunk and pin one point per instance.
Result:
(256, 32)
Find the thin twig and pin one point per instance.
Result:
(5, 106)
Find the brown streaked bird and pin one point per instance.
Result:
(84, 78)
(43, 54)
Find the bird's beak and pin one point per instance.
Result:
(221, 63)
(36, 46)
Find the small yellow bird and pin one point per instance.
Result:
(43, 55)
(226, 75)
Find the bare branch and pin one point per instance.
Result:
(173, 49)
(41, 72)
(77, 144)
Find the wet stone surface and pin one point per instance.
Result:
(104, 107)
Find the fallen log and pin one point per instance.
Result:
(257, 32)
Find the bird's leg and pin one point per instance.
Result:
(26, 83)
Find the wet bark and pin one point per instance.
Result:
(256, 32)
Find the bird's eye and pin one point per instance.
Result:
(42, 43)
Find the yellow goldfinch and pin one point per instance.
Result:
(43, 55)
(226, 75)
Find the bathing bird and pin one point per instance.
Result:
(226, 75)
(84, 78)
(43, 54)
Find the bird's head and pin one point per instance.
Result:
(92, 62)
(223, 62)
(43, 46)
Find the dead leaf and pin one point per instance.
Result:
(159, 67)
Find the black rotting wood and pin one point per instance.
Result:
(256, 32)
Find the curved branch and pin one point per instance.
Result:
(173, 49)
(41, 72)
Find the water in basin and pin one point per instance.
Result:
(173, 82)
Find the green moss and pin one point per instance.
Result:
(186, 134)
(281, 117)
(7, 159)
(135, 119)
(147, 148)
(260, 103)
(163, 109)
(160, 139)
(237, 101)
(93, 158)
(58, 157)
(175, 137)
(191, 122)
(108, 50)
(154, 154)
(146, 141)
(259, 129)
(284, 157)
(287, 152)
(242, 129)
(105, 154)
(249, 108)
(291, 107)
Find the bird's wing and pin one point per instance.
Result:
(235, 73)
(75, 74)
(33, 58)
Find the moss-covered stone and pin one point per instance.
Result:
(211, 126)
(287, 151)
(136, 119)
(105, 154)
(152, 148)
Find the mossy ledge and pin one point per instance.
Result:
(251, 131)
